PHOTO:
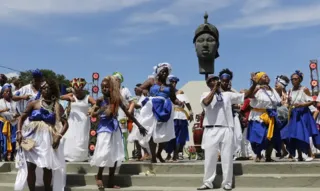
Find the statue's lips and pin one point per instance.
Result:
(205, 52)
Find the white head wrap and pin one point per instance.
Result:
(282, 82)
(161, 66)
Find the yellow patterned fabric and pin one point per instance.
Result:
(6, 130)
(259, 75)
(266, 119)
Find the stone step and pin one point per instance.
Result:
(7, 187)
(189, 180)
(244, 167)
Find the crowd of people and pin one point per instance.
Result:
(44, 125)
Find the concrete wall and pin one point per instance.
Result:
(194, 90)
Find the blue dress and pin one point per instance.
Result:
(301, 126)
(257, 130)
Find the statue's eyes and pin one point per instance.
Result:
(210, 39)
(200, 40)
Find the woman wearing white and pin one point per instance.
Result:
(109, 150)
(77, 137)
(157, 113)
(39, 141)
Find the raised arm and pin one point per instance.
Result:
(142, 130)
(67, 97)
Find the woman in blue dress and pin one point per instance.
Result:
(157, 113)
(109, 151)
(301, 124)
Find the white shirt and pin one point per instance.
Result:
(220, 113)
(9, 115)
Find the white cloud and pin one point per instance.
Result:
(65, 6)
(280, 18)
(180, 11)
(253, 6)
(12, 74)
(129, 34)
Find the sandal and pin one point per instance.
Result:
(113, 186)
(99, 183)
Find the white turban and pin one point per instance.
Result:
(161, 66)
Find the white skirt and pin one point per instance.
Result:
(43, 156)
(159, 131)
(109, 149)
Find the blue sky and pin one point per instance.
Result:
(78, 37)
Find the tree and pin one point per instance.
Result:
(26, 77)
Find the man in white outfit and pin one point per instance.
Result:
(218, 133)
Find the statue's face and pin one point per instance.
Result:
(206, 46)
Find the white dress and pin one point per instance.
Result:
(109, 147)
(77, 136)
(42, 155)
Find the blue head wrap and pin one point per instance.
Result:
(225, 76)
(37, 73)
(6, 86)
(299, 73)
(173, 78)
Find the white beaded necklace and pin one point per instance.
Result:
(45, 106)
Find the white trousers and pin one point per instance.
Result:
(222, 139)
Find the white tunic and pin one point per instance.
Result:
(218, 113)
(181, 114)
(126, 95)
(25, 90)
(263, 99)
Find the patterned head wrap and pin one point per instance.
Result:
(259, 75)
(161, 66)
(37, 73)
(299, 73)
(118, 75)
(78, 83)
(173, 78)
